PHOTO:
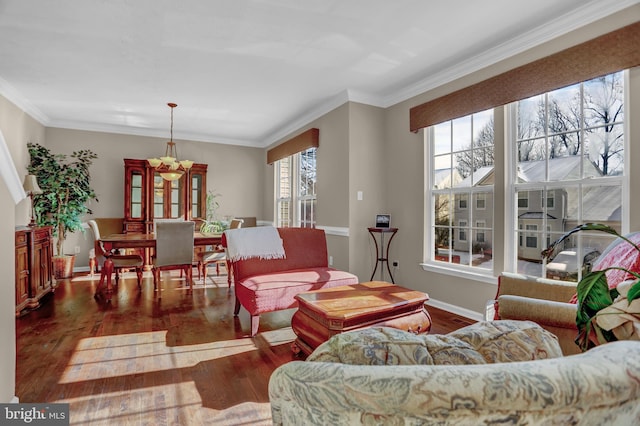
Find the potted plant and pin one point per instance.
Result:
(66, 188)
(604, 314)
(211, 224)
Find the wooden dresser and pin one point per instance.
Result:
(34, 279)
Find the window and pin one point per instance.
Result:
(296, 190)
(480, 225)
(532, 236)
(569, 153)
(462, 201)
(461, 190)
(565, 164)
(523, 200)
(462, 231)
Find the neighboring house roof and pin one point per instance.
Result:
(482, 176)
(563, 168)
(559, 169)
(535, 215)
(600, 203)
(444, 178)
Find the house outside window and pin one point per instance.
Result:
(564, 165)
(296, 190)
(461, 190)
(569, 160)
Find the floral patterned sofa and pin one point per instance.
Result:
(500, 372)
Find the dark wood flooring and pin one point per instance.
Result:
(149, 358)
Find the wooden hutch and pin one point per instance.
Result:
(147, 196)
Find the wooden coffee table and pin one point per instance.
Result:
(324, 313)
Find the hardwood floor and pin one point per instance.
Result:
(149, 358)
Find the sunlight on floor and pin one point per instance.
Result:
(112, 356)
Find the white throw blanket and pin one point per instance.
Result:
(263, 242)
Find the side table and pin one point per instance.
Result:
(382, 251)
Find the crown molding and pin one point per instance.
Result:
(16, 98)
(587, 14)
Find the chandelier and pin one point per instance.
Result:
(169, 167)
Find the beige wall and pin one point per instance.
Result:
(17, 128)
(235, 172)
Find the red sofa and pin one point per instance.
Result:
(268, 285)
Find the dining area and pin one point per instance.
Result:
(173, 244)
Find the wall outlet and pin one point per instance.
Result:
(330, 260)
(77, 249)
(395, 264)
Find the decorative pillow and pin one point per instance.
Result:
(620, 253)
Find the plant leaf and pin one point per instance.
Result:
(634, 291)
(593, 295)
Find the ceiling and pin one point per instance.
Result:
(249, 72)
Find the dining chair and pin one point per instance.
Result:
(174, 249)
(120, 261)
(217, 256)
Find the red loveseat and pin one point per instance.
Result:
(268, 285)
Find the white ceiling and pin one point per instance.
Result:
(250, 71)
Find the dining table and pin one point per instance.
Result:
(135, 241)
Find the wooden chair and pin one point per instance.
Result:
(174, 249)
(120, 261)
(217, 256)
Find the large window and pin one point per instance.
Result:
(569, 158)
(564, 165)
(461, 190)
(296, 190)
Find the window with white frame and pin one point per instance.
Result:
(460, 190)
(565, 165)
(568, 153)
(296, 190)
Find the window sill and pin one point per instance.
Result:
(460, 271)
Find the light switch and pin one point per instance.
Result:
(359, 196)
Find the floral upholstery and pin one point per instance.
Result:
(371, 377)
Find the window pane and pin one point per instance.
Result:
(442, 138)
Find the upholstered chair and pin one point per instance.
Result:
(174, 249)
(217, 256)
(120, 261)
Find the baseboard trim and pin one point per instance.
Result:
(467, 313)
(14, 400)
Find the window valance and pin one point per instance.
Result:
(611, 52)
(303, 141)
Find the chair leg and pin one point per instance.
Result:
(156, 278)
(139, 274)
(190, 276)
(229, 273)
(218, 269)
(255, 322)
(117, 275)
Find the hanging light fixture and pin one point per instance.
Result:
(169, 167)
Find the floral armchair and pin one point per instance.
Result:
(500, 372)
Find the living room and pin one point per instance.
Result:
(363, 148)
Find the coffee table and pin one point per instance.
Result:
(324, 313)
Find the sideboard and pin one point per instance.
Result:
(34, 277)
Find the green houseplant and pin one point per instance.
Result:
(599, 307)
(212, 224)
(66, 188)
